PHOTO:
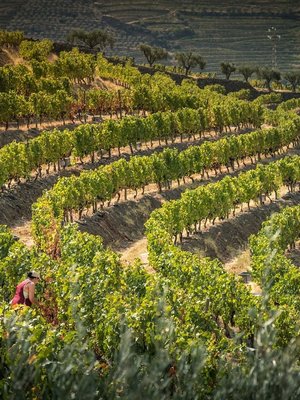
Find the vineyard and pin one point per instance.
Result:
(131, 198)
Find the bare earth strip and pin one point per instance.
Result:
(122, 225)
(16, 202)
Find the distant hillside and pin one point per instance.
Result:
(231, 30)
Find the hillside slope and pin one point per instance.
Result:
(226, 31)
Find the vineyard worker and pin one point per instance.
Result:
(25, 290)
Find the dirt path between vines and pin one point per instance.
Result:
(122, 225)
(226, 240)
(16, 202)
(23, 134)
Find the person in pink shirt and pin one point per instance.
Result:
(25, 290)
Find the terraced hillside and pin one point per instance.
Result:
(117, 212)
(220, 32)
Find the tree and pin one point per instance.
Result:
(97, 38)
(36, 50)
(190, 60)
(227, 69)
(247, 71)
(268, 75)
(153, 54)
(293, 77)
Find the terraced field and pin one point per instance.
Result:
(227, 32)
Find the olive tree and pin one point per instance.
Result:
(153, 54)
(293, 77)
(190, 60)
(227, 69)
(97, 38)
(268, 75)
(247, 71)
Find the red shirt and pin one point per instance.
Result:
(19, 295)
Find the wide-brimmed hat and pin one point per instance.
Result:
(34, 274)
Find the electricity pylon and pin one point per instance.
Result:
(274, 37)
